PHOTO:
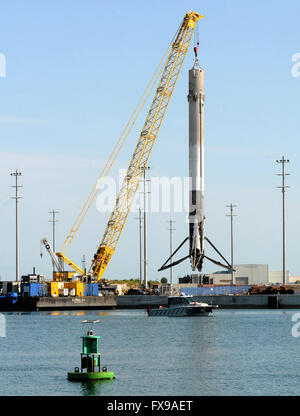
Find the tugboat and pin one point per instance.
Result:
(90, 358)
(183, 306)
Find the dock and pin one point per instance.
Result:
(47, 303)
(253, 301)
(291, 301)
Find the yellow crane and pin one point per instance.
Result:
(169, 75)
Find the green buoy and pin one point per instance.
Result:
(90, 358)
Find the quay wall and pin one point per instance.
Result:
(223, 301)
(252, 301)
(141, 302)
(144, 302)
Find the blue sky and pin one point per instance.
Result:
(75, 71)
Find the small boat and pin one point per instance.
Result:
(183, 306)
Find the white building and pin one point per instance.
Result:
(245, 274)
(277, 277)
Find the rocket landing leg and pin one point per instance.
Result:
(200, 258)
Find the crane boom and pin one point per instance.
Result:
(144, 146)
(53, 256)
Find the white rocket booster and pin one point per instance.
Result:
(196, 217)
(196, 166)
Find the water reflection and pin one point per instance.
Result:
(76, 313)
(66, 313)
(61, 313)
(93, 388)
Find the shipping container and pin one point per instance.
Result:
(215, 290)
(53, 288)
(44, 288)
(12, 287)
(79, 289)
(91, 289)
(76, 287)
(31, 289)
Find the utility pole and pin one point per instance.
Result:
(283, 161)
(145, 229)
(231, 215)
(83, 262)
(16, 174)
(171, 229)
(54, 220)
(140, 246)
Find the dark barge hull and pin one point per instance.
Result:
(59, 303)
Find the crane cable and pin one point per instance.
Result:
(115, 152)
(119, 209)
(196, 43)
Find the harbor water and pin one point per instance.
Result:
(232, 352)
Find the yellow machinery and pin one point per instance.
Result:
(63, 275)
(53, 289)
(169, 72)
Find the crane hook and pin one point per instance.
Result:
(196, 50)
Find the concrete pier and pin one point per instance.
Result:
(252, 301)
(144, 302)
(223, 301)
(141, 302)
